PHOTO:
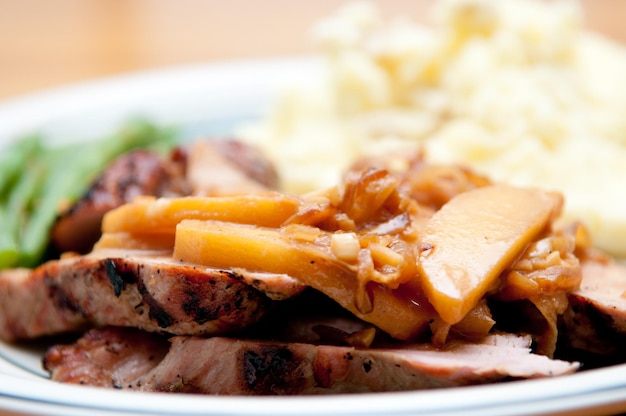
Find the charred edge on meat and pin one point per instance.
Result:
(239, 301)
(193, 308)
(270, 371)
(367, 365)
(121, 274)
(61, 299)
(195, 303)
(118, 281)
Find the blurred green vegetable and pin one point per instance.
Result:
(35, 181)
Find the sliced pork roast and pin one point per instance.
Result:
(219, 167)
(139, 289)
(140, 172)
(595, 320)
(201, 167)
(227, 366)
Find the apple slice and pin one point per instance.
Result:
(469, 242)
(149, 215)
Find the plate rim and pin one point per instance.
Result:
(133, 91)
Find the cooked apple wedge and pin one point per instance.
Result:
(469, 242)
(149, 215)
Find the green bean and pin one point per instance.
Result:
(23, 195)
(9, 254)
(12, 163)
(13, 159)
(22, 203)
(66, 176)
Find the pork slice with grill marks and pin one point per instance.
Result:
(201, 167)
(228, 366)
(140, 289)
(139, 172)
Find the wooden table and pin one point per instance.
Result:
(48, 43)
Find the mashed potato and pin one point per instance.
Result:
(517, 89)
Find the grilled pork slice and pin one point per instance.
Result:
(221, 365)
(140, 289)
(218, 167)
(140, 172)
(120, 353)
(595, 320)
(202, 167)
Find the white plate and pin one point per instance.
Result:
(211, 99)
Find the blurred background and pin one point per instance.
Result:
(49, 43)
